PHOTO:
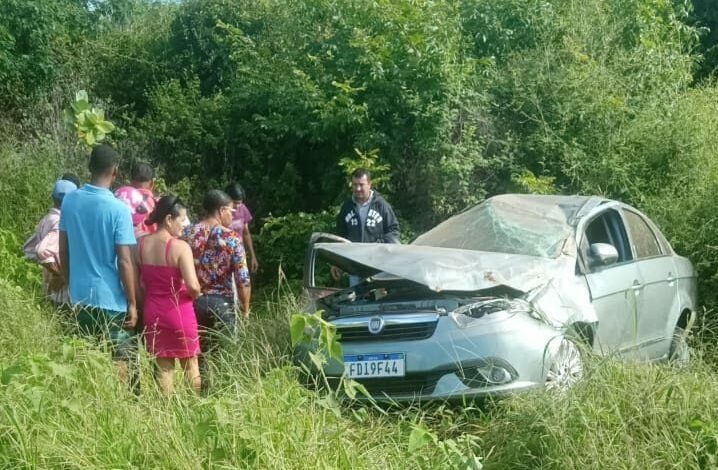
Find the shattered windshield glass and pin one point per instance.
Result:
(518, 224)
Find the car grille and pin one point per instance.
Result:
(402, 332)
(419, 384)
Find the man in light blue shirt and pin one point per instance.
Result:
(96, 240)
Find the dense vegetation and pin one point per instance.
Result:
(459, 100)
(451, 102)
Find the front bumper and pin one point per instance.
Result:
(452, 363)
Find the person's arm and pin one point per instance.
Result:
(341, 226)
(128, 276)
(64, 257)
(241, 278)
(186, 266)
(48, 251)
(244, 293)
(139, 287)
(247, 239)
(391, 225)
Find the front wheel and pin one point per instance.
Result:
(679, 353)
(566, 367)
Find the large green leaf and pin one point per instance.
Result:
(105, 126)
(296, 328)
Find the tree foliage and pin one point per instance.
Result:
(577, 84)
(294, 87)
(458, 100)
(36, 45)
(705, 17)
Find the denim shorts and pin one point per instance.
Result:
(106, 325)
(215, 312)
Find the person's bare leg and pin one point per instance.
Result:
(165, 374)
(122, 368)
(190, 365)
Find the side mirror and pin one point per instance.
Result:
(603, 254)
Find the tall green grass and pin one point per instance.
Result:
(62, 405)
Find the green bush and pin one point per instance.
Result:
(276, 93)
(580, 81)
(129, 52)
(282, 242)
(27, 173)
(36, 46)
(20, 272)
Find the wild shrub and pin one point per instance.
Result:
(577, 78)
(282, 242)
(15, 268)
(277, 93)
(36, 48)
(28, 171)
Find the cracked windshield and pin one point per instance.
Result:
(526, 228)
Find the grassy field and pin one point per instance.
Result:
(61, 406)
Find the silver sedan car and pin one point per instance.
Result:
(506, 296)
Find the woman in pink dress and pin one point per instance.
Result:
(170, 285)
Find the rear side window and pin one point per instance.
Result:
(643, 239)
(665, 246)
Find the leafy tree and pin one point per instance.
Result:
(36, 44)
(129, 51)
(297, 86)
(576, 87)
(705, 16)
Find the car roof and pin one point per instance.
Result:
(573, 207)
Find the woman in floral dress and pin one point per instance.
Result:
(221, 265)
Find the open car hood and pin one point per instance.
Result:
(444, 269)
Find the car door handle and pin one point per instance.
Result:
(670, 279)
(636, 286)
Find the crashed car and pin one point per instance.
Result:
(506, 296)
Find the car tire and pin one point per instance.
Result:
(566, 365)
(679, 353)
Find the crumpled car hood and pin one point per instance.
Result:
(551, 285)
(442, 269)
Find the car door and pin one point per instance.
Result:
(659, 287)
(615, 288)
(318, 280)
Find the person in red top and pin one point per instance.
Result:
(140, 198)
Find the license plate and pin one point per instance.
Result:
(367, 366)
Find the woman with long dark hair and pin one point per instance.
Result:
(170, 283)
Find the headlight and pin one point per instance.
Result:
(493, 371)
(493, 309)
